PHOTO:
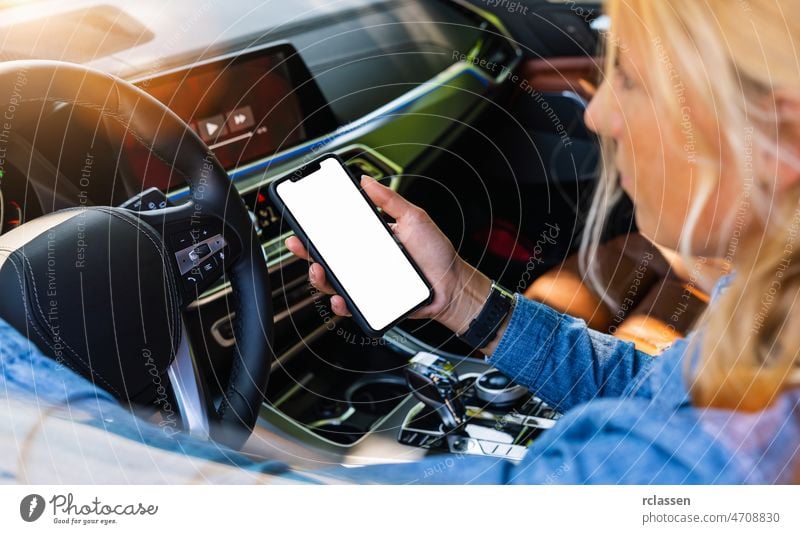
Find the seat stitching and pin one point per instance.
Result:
(44, 320)
(145, 232)
(32, 320)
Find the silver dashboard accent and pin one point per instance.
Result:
(185, 380)
(482, 447)
(225, 341)
(216, 331)
(189, 257)
(333, 420)
(531, 421)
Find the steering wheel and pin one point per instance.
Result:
(102, 289)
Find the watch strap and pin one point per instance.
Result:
(483, 328)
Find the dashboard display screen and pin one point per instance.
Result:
(244, 108)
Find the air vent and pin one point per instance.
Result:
(79, 36)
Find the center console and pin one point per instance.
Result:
(360, 400)
(482, 414)
(331, 388)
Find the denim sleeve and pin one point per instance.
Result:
(561, 359)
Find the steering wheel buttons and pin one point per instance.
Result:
(201, 251)
(209, 267)
(197, 255)
(192, 278)
(181, 240)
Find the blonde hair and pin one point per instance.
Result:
(731, 58)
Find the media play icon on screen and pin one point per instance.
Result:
(211, 128)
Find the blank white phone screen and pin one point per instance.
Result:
(351, 239)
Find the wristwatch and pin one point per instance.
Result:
(483, 328)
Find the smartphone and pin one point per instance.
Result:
(343, 231)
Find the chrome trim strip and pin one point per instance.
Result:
(225, 342)
(314, 436)
(333, 420)
(300, 345)
(186, 384)
(217, 334)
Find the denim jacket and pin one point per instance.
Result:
(627, 418)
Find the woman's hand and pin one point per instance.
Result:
(459, 289)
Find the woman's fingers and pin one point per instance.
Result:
(339, 306)
(316, 275)
(296, 247)
(385, 198)
(389, 201)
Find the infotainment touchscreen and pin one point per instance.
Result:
(244, 107)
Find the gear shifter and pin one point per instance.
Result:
(434, 381)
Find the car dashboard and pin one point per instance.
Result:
(269, 88)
